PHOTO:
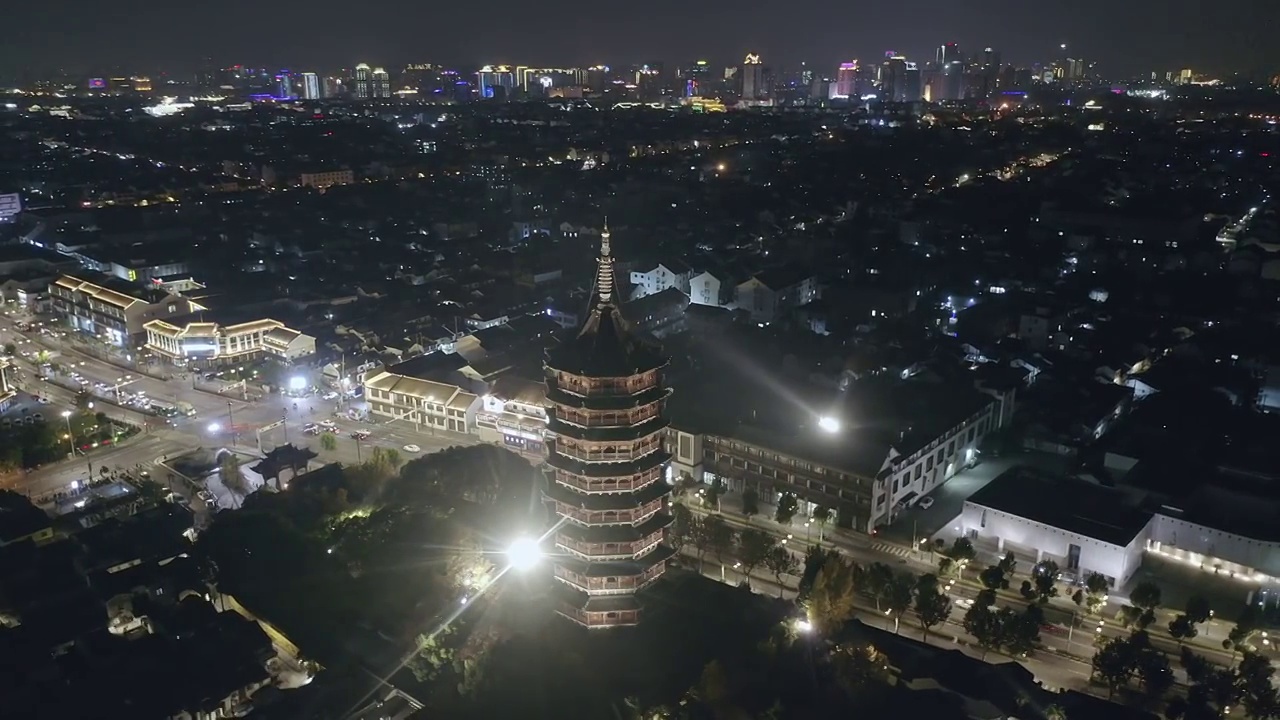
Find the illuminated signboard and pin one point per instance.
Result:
(97, 83)
(10, 205)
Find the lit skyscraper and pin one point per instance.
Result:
(495, 81)
(846, 80)
(381, 83)
(752, 78)
(947, 52)
(363, 89)
(311, 89)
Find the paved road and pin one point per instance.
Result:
(209, 427)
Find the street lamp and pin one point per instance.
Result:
(524, 553)
(297, 383)
(829, 424)
(71, 442)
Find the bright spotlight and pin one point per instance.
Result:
(804, 626)
(524, 553)
(829, 424)
(214, 427)
(297, 383)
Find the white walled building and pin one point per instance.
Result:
(769, 295)
(513, 414)
(214, 343)
(706, 288)
(427, 405)
(1084, 528)
(663, 276)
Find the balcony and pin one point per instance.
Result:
(609, 585)
(606, 551)
(608, 452)
(629, 516)
(610, 485)
(579, 385)
(607, 418)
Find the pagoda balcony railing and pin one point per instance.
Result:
(630, 516)
(611, 452)
(606, 551)
(607, 418)
(620, 618)
(609, 585)
(606, 387)
(610, 485)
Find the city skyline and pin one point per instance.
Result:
(1128, 39)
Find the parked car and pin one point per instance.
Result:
(926, 503)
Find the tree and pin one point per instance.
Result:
(985, 627)
(781, 562)
(875, 581)
(229, 471)
(1154, 673)
(700, 530)
(1145, 595)
(946, 566)
(1113, 664)
(681, 530)
(963, 552)
(815, 558)
(754, 547)
(994, 578)
(328, 442)
(787, 507)
(721, 537)
(898, 594)
(1020, 631)
(1008, 563)
(1197, 609)
(932, 605)
(1182, 629)
(830, 602)
(821, 515)
(1096, 588)
(714, 491)
(1240, 638)
(1044, 576)
(84, 401)
(750, 502)
(858, 667)
(1253, 682)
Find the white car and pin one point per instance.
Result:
(412, 449)
(926, 503)
(44, 400)
(331, 395)
(964, 603)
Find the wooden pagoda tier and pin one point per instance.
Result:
(606, 462)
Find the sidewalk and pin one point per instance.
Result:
(1060, 611)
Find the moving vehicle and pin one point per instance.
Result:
(412, 448)
(361, 434)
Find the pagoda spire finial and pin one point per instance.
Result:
(604, 269)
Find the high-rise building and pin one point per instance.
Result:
(893, 77)
(607, 461)
(285, 85)
(380, 83)
(947, 52)
(846, 80)
(311, 88)
(495, 81)
(364, 89)
(752, 78)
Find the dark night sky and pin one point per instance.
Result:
(1124, 36)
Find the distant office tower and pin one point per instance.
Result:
(380, 83)
(311, 89)
(947, 52)
(893, 77)
(846, 80)
(752, 78)
(495, 81)
(952, 81)
(284, 85)
(990, 58)
(364, 89)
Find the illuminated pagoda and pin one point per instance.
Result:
(607, 462)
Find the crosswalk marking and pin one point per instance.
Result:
(888, 549)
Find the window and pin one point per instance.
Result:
(919, 471)
(929, 463)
